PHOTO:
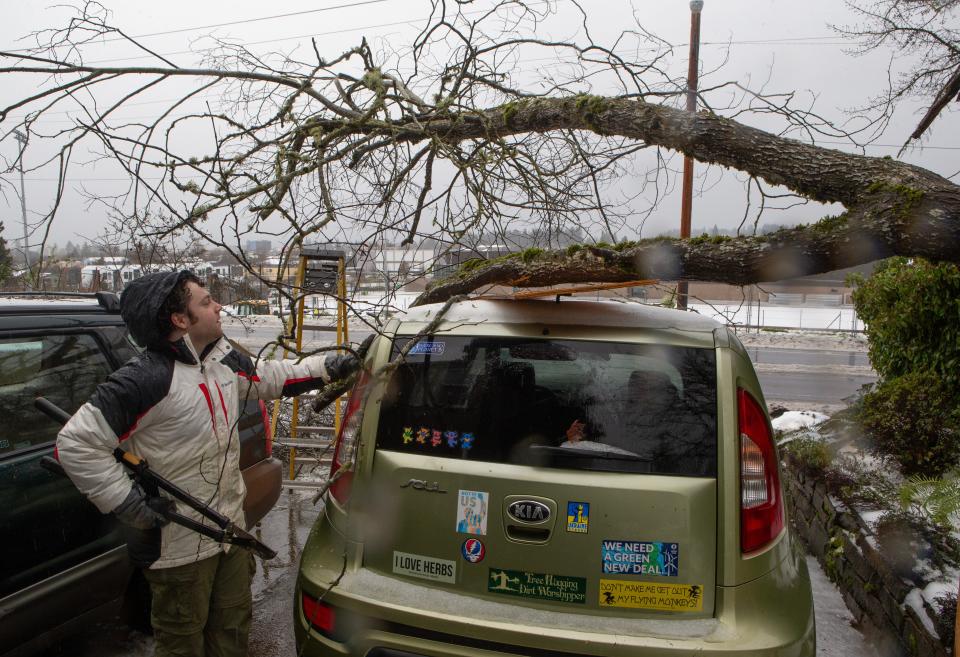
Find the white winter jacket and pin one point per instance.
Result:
(178, 411)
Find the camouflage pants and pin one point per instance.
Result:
(203, 609)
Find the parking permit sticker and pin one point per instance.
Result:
(416, 565)
(640, 558)
(651, 595)
(472, 508)
(432, 348)
(578, 517)
(556, 588)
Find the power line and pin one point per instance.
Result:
(252, 20)
(244, 21)
(260, 43)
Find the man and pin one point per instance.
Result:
(177, 405)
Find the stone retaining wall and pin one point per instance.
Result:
(847, 549)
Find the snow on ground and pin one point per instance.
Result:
(814, 340)
(793, 420)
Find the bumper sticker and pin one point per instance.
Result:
(415, 565)
(651, 595)
(473, 550)
(640, 558)
(425, 347)
(578, 517)
(472, 508)
(555, 588)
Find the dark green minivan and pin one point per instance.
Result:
(554, 477)
(64, 563)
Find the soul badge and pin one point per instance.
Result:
(473, 550)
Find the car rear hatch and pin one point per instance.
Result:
(565, 474)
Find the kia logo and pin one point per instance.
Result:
(529, 511)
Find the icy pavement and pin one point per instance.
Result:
(836, 636)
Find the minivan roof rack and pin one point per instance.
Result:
(109, 301)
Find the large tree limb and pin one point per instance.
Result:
(890, 221)
(814, 172)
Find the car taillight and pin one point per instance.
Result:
(266, 429)
(318, 614)
(346, 439)
(761, 502)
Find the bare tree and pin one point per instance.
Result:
(924, 33)
(448, 138)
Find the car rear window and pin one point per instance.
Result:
(555, 403)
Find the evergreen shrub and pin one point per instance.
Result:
(915, 419)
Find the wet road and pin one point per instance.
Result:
(775, 356)
(285, 528)
(816, 388)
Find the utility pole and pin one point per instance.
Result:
(693, 68)
(22, 138)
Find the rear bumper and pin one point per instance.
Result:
(263, 481)
(771, 616)
(463, 637)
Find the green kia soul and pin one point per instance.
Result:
(542, 477)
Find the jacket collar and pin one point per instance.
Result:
(184, 350)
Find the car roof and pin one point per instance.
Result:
(614, 313)
(52, 303)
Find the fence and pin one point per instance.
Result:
(758, 315)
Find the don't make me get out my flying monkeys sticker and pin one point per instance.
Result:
(654, 596)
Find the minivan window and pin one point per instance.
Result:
(63, 368)
(573, 404)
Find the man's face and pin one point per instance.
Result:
(203, 315)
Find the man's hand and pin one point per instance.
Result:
(143, 512)
(340, 366)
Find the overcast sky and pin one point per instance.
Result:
(778, 45)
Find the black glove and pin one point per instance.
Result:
(142, 512)
(365, 347)
(340, 366)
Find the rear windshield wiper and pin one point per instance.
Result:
(581, 452)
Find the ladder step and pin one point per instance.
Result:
(305, 444)
(319, 327)
(311, 429)
(306, 485)
(310, 459)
